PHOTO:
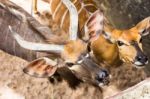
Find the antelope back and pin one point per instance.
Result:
(60, 13)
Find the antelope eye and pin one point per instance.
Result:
(120, 43)
(143, 31)
(141, 40)
(69, 64)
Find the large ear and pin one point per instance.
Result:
(42, 67)
(144, 26)
(94, 26)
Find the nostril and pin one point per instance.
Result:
(103, 74)
(142, 59)
(139, 58)
(145, 58)
(102, 77)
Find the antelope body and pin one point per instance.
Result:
(60, 12)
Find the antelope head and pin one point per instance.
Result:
(109, 43)
(129, 42)
(74, 54)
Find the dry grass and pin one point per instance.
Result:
(13, 77)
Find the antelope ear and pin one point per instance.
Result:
(144, 26)
(94, 26)
(42, 67)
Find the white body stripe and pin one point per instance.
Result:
(57, 8)
(74, 1)
(89, 4)
(50, 6)
(82, 5)
(63, 18)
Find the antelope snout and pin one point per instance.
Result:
(102, 77)
(141, 60)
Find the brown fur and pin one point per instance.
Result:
(73, 49)
(58, 16)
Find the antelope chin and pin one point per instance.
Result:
(101, 84)
(138, 64)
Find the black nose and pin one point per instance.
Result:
(103, 74)
(142, 58)
(102, 77)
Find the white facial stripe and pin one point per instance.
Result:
(101, 84)
(139, 67)
(138, 63)
(107, 35)
(146, 33)
(80, 61)
(125, 42)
